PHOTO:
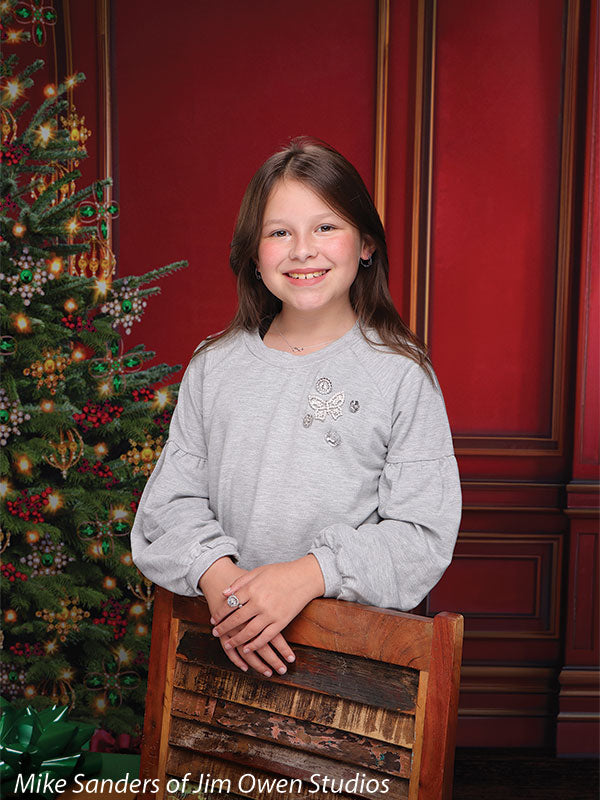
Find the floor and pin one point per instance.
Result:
(523, 775)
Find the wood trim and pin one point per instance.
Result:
(383, 46)
(422, 168)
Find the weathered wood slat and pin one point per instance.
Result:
(345, 628)
(302, 704)
(276, 759)
(182, 761)
(336, 674)
(310, 737)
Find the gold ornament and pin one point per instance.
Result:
(76, 127)
(8, 126)
(60, 691)
(144, 591)
(4, 540)
(143, 459)
(67, 452)
(49, 369)
(44, 182)
(98, 263)
(65, 620)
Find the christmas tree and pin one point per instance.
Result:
(81, 424)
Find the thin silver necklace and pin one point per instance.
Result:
(296, 349)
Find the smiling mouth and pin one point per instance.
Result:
(307, 275)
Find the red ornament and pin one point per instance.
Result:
(114, 614)
(77, 324)
(143, 395)
(11, 573)
(100, 470)
(95, 414)
(29, 508)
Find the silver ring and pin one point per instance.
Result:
(233, 601)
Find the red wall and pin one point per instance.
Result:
(203, 98)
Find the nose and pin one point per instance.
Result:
(303, 247)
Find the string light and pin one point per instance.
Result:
(47, 406)
(72, 226)
(32, 537)
(136, 609)
(78, 354)
(162, 398)
(126, 559)
(51, 647)
(71, 81)
(10, 616)
(70, 305)
(44, 134)
(55, 501)
(101, 449)
(22, 323)
(109, 583)
(5, 487)
(19, 230)
(13, 90)
(101, 288)
(50, 90)
(24, 464)
(29, 691)
(100, 704)
(56, 266)
(122, 655)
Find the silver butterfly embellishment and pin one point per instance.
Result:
(332, 405)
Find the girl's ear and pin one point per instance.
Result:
(368, 247)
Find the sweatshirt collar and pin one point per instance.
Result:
(284, 359)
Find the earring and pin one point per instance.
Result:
(366, 262)
(257, 274)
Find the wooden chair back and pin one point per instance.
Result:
(370, 704)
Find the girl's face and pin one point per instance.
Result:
(302, 236)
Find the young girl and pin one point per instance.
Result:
(309, 453)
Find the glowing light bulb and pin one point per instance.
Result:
(22, 323)
(29, 691)
(56, 266)
(10, 615)
(44, 134)
(123, 655)
(78, 354)
(126, 559)
(5, 487)
(13, 36)
(101, 287)
(70, 305)
(47, 406)
(19, 230)
(13, 89)
(162, 397)
(100, 704)
(24, 464)
(55, 501)
(32, 537)
(51, 647)
(71, 81)
(72, 226)
(101, 449)
(109, 583)
(136, 609)
(50, 90)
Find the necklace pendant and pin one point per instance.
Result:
(297, 349)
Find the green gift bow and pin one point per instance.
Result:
(43, 742)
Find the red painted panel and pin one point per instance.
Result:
(205, 94)
(495, 207)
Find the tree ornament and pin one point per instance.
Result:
(76, 127)
(48, 557)
(8, 346)
(144, 591)
(114, 614)
(13, 153)
(126, 307)
(39, 16)
(66, 452)
(4, 540)
(11, 573)
(143, 455)
(27, 650)
(60, 691)
(66, 620)
(95, 414)
(12, 680)
(11, 417)
(102, 533)
(45, 181)
(112, 681)
(143, 395)
(30, 276)
(78, 324)
(100, 470)
(101, 212)
(30, 507)
(49, 369)
(111, 370)
(99, 262)
(8, 126)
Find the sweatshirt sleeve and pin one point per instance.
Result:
(394, 563)
(175, 536)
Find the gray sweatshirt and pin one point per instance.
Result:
(345, 453)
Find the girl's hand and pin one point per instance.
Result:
(219, 574)
(272, 596)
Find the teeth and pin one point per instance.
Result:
(307, 275)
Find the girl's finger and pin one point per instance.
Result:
(238, 583)
(270, 656)
(264, 637)
(235, 658)
(257, 663)
(248, 632)
(283, 647)
(232, 621)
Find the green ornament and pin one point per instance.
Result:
(126, 306)
(113, 698)
(99, 192)
(129, 680)
(38, 33)
(105, 547)
(114, 349)
(47, 559)
(104, 229)
(93, 682)
(87, 529)
(100, 368)
(121, 528)
(26, 276)
(8, 345)
(111, 667)
(87, 211)
(117, 383)
(131, 363)
(4, 415)
(13, 675)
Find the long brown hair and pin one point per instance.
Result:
(338, 183)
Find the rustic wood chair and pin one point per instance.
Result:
(372, 696)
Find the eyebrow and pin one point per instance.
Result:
(325, 214)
